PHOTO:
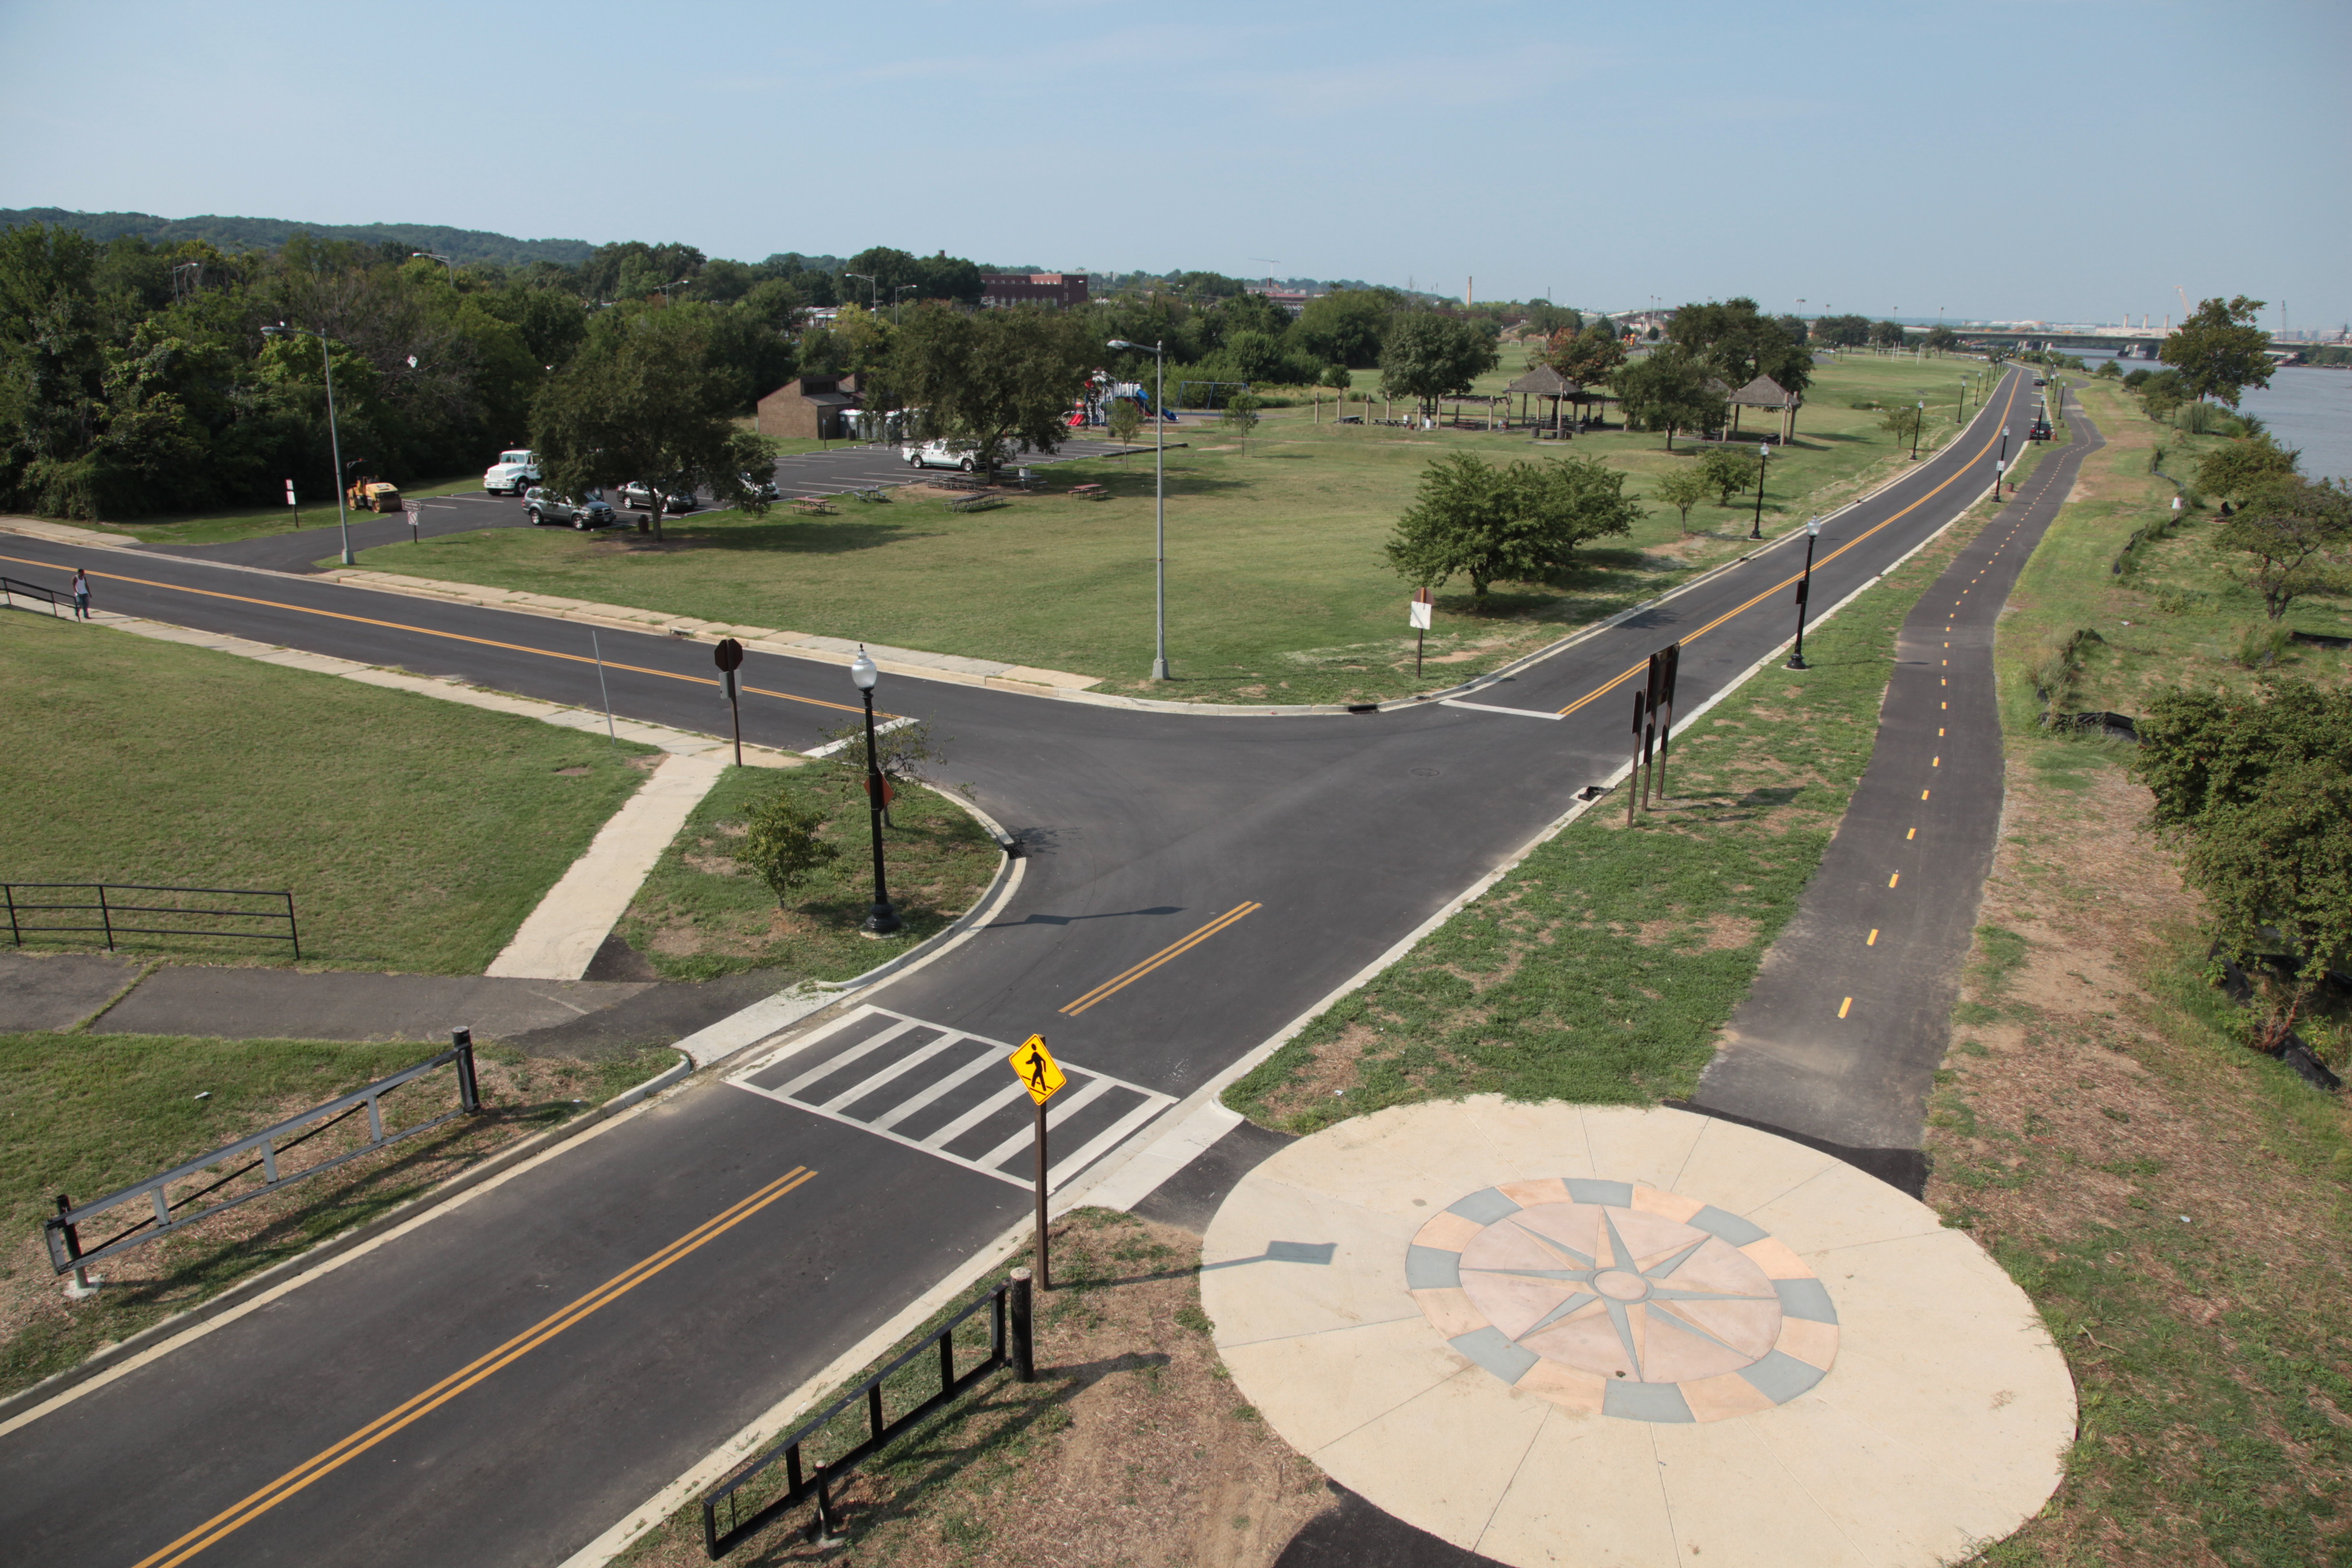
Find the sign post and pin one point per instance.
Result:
(290, 510)
(729, 657)
(1421, 609)
(1043, 1076)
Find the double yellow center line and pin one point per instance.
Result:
(1603, 691)
(237, 1516)
(1127, 977)
(430, 632)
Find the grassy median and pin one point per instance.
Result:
(415, 835)
(1278, 588)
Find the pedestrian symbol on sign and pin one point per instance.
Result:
(1041, 1075)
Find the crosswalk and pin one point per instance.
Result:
(950, 1094)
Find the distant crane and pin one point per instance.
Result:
(2184, 303)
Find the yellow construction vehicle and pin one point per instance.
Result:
(373, 495)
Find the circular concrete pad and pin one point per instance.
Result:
(1573, 1334)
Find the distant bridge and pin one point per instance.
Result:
(2126, 343)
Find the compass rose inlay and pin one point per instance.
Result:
(1623, 1299)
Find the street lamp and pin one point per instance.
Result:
(881, 919)
(1159, 498)
(1917, 420)
(1763, 456)
(1805, 593)
(873, 289)
(334, 436)
(429, 255)
(897, 303)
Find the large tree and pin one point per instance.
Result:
(1739, 343)
(1520, 524)
(2219, 351)
(1427, 356)
(2285, 540)
(1668, 389)
(2239, 468)
(1841, 331)
(1589, 357)
(995, 377)
(646, 401)
(1344, 326)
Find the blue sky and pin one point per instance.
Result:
(2061, 159)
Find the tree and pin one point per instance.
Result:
(1886, 334)
(782, 843)
(1841, 331)
(2287, 534)
(2109, 370)
(1345, 327)
(995, 377)
(1241, 413)
(1683, 489)
(2257, 792)
(1940, 339)
(2238, 469)
(1738, 342)
(1520, 524)
(1124, 420)
(1727, 471)
(1668, 390)
(644, 401)
(1903, 422)
(2219, 351)
(1589, 357)
(1427, 356)
(1548, 320)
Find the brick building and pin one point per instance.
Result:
(811, 407)
(1063, 290)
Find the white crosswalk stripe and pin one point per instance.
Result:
(931, 1088)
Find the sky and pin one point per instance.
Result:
(2062, 160)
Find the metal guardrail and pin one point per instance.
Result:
(106, 909)
(1010, 1342)
(63, 1233)
(12, 586)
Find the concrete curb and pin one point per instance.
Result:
(27, 1404)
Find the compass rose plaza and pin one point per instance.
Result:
(1565, 1334)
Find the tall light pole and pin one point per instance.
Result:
(429, 255)
(1917, 419)
(897, 303)
(334, 436)
(1158, 500)
(1805, 593)
(872, 291)
(881, 919)
(1763, 456)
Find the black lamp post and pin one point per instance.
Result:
(1917, 420)
(881, 919)
(1763, 456)
(1804, 593)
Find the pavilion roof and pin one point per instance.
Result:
(1543, 381)
(1763, 393)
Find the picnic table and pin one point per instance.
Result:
(1090, 492)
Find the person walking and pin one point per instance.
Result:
(81, 594)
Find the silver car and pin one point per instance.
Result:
(545, 506)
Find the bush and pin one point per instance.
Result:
(2260, 646)
(783, 844)
(1729, 472)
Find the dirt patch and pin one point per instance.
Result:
(2175, 1204)
(1132, 1447)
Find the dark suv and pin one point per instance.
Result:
(638, 496)
(546, 506)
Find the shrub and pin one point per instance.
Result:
(783, 844)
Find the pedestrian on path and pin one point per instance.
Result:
(81, 594)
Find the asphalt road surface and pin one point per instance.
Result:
(501, 1383)
(1840, 1037)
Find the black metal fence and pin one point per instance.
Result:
(1010, 1343)
(167, 1214)
(15, 588)
(24, 912)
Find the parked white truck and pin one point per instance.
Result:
(512, 474)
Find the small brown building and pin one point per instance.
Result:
(1065, 290)
(811, 407)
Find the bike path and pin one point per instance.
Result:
(1850, 1016)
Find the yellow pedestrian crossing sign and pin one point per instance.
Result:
(1041, 1075)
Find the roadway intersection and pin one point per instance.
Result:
(500, 1384)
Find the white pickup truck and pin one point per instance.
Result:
(513, 473)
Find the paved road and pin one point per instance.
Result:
(1193, 883)
(843, 469)
(1839, 1037)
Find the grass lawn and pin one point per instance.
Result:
(416, 835)
(1278, 588)
(244, 522)
(87, 1114)
(1599, 970)
(702, 914)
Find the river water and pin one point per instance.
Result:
(2305, 406)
